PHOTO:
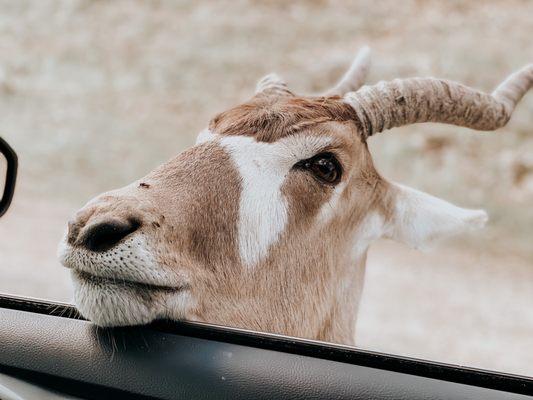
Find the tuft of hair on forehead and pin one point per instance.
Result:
(269, 118)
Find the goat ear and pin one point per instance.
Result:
(420, 219)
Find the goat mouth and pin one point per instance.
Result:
(117, 281)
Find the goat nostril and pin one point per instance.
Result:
(105, 235)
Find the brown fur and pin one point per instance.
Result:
(269, 118)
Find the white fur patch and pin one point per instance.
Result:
(205, 136)
(263, 168)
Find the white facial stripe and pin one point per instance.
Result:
(206, 136)
(263, 168)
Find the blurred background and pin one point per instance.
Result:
(94, 94)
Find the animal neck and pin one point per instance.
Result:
(339, 324)
(316, 301)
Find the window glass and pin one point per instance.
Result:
(94, 95)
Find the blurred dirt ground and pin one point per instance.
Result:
(94, 94)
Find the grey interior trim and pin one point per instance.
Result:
(148, 362)
(6, 393)
(18, 389)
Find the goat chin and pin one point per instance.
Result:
(124, 303)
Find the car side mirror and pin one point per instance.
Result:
(8, 177)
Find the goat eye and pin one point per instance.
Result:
(324, 166)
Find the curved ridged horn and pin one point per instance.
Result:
(356, 75)
(272, 84)
(409, 101)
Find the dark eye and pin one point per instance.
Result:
(324, 167)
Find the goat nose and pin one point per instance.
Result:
(103, 236)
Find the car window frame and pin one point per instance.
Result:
(295, 346)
